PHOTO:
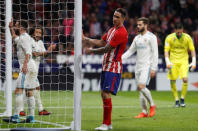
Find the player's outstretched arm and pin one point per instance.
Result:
(44, 53)
(93, 42)
(100, 50)
(130, 51)
(12, 31)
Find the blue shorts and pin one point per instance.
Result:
(110, 81)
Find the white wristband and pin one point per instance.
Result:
(194, 60)
(167, 61)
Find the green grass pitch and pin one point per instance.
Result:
(125, 106)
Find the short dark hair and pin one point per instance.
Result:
(24, 24)
(122, 12)
(34, 28)
(144, 19)
(179, 26)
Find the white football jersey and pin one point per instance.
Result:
(147, 51)
(37, 46)
(24, 46)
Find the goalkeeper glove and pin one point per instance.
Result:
(168, 63)
(193, 64)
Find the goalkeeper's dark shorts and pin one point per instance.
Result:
(110, 81)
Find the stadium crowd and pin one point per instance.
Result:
(57, 18)
(163, 15)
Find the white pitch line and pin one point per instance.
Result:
(117, 107)
(55, 124)
(51, 123)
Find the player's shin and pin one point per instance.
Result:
(38, 99)
(18, 103)
(184, 89)
(147, 95)
(143, 103)
(31, 105)
(107, 109)
(174, 90)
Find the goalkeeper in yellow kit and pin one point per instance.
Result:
(176, 57)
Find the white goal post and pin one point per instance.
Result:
(8, 58)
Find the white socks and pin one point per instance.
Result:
(147, 95)
(18, 103)
(38, 99)
(143, 103)
(31, 105)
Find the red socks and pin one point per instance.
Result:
(107, 108)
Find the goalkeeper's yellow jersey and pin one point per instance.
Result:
(178, 47)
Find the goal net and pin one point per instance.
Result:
(60, 89)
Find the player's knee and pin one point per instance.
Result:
(105, 95)
(173, 81)
(141, 86)
(38, 88)
(185, 80)
(18, 91)
(29, 93)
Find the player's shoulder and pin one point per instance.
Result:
(40, 42)
(25, 36)
(170, 36)
(122, 33)
(122, 30)
(151, 35)
(187, 35)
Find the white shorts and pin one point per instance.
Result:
(142, 76)
(28, 80)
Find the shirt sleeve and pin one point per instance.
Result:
(42, 46)
(154, 47)
(16, 40)
(104, 37)
(27, 45)
(132, 49)
(190, 44)
(167, 44)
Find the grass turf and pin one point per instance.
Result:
(125, 106)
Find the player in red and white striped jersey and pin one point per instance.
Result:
(112, 45)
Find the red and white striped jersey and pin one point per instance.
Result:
(117, 38)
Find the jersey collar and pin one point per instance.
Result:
(179, 37)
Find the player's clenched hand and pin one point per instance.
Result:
(24, 69)
(11, 23)
(35, 54)
(152, 74)
(193, 64)
(169, 65)
(192, 67)
(51, 47)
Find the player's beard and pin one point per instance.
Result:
(141, 30)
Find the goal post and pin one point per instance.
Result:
(8, 37)
(77, 64)
(6, 58)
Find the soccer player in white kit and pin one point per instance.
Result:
(38, 50)
(27, 75)
(145, 44)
